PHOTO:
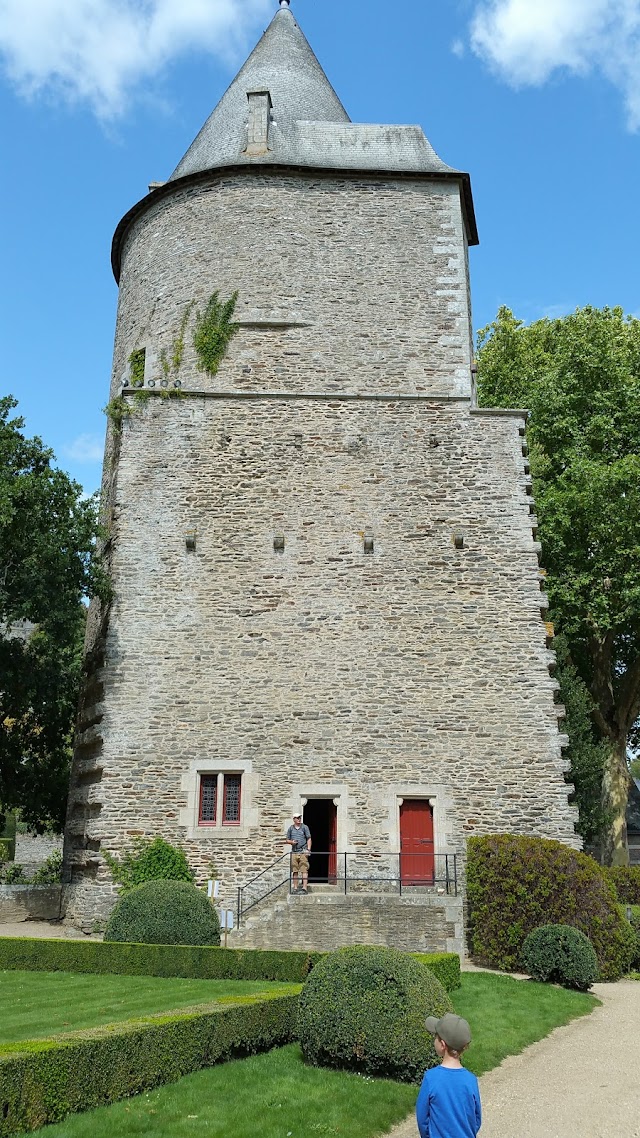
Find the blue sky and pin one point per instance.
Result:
(538, 99)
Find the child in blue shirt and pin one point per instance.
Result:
(448, 1104)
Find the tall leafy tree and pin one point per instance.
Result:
(47, 536)
(580, 378)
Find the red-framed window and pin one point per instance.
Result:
(208, 809)
(231, 788)
(231, 800)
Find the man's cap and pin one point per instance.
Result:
(452, 1029)
(297, 814)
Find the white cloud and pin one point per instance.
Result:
(526, 42)
(85, 448)
(99, 51)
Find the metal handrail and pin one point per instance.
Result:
(243, 909)
(444, 873)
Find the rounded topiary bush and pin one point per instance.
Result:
(516, 884)
(560, 954)
(164, 912)
(364, 1009)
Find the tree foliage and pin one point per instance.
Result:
(580, 378)
(47, 534)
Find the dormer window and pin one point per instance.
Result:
(258, 123)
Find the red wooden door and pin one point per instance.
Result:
(333, 843)
(416, 842)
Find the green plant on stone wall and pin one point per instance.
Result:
(148, 860)
(214, 332)
(14, 874)
(170, 362)
(137, 362)
(117, 410)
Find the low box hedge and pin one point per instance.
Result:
(444, 965)
(42, 1081)
(190, 962)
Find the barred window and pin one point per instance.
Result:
(231, 802)
(208, 799)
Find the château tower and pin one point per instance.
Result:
(326, 587)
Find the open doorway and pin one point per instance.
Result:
(321, 816)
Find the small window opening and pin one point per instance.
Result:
(231, 803)
(207, 815)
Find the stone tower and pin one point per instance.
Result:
(326, 581)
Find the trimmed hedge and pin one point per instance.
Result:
(192, 962)
(363, 1009)
(626, 882)
(560, 954)
(42, 1081)
(444, 965)
(516, 884)
(164, 912)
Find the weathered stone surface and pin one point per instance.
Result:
(279, 648)
(34, 849)
(29, 903)
(371, 273)
(324, 922)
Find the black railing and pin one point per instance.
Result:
(359, 872)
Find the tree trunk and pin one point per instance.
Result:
(615, 796)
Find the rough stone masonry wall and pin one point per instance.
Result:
(344, 284)
(412, 924)
(419, 668)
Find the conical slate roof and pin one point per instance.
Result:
(281, 110)
(307, 124)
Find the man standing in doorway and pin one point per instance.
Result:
(299, 838)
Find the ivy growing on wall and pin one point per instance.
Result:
(170, 361)
(214, 332)
(136, 361)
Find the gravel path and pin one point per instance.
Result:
(579, 1082)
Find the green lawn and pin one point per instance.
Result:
(37, 1004)
(506, 1015)
(276, 1096)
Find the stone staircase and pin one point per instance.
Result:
(326, 918)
